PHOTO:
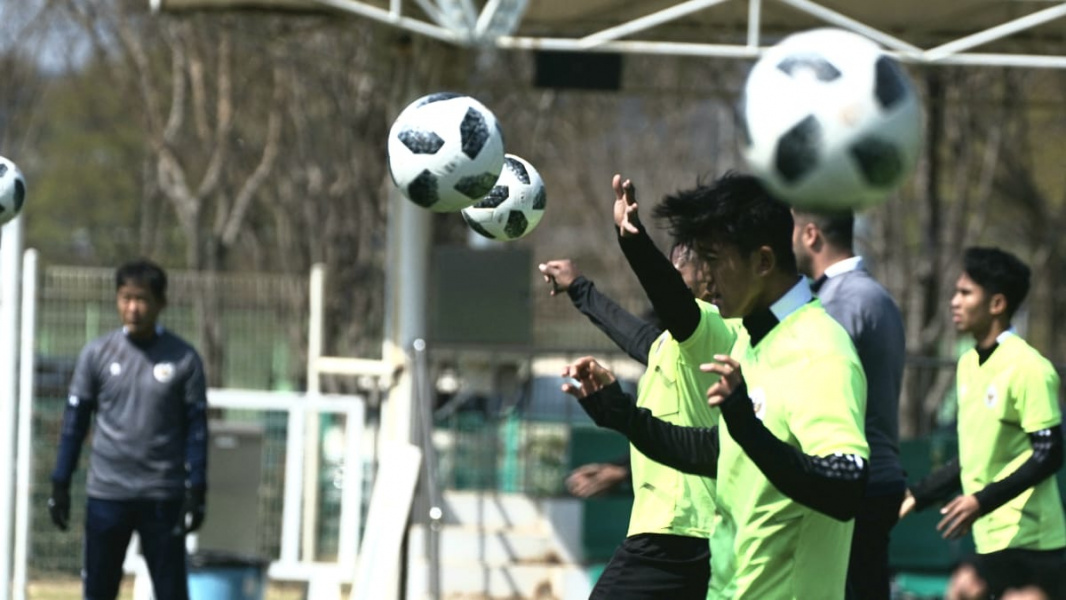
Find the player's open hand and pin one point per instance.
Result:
(959, 515)
(731, 378)
(595, 479)
(625, 207)
(559, 274)
(587, 377)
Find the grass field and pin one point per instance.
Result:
(66, 589)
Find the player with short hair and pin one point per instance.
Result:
(666, 553)
(1010, 437)
(144, 389)
(789, 453)
(823, 243)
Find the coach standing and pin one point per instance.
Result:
(148, 466)
(823, 244)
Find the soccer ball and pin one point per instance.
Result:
(513, 207)
(445, 151)
(830, 121)
(12, 190)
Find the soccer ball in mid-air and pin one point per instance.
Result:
(830, 121)
(12, 190)
(513, 207)
(445, 151)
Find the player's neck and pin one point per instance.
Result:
(776, 288)
(987, 337)
(828, 257)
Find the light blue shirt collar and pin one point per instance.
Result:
(793, 299)
(1006, 334)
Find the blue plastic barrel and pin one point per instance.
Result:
(217, 575)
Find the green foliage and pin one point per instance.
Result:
(86, 189)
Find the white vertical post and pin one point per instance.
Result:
(410, 231)
(10, 267)
(294, 472)
(315, 336)
(390, 504)
(24, 452)
(352, 492)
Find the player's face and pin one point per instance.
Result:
(733, 283)
(139, 308)
(970, 306)
(692, 271)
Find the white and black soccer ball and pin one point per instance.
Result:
(445, 151)
(830, 121)
(513, 207)
(12, 190)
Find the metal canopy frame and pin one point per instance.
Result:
(499, 23)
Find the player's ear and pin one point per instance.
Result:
(810, 235)
(765, 261)
(997, 305)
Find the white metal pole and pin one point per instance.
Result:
(312, 434)
(648, 21)
(352, 492)
(10, 267)
(294, 475)
(24, 454)
(994, 33)
(410, 231)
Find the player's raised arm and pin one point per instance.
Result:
(671, 298)
(628, 331)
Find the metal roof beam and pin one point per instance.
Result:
(394, 17)
(832, 17)
(648, 21)
(499, 17)
(994, 33)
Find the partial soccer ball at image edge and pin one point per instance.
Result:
(445, 151)
(513, 207)
(830, 121)
(12, 190)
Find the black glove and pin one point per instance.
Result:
(192, 510)
(59, 505)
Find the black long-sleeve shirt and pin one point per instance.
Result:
(1046, 460)
(628, 331)
(832, 485)
(672, 300)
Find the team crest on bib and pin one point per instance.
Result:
(163, 372)
(758, 402)
(991, 396)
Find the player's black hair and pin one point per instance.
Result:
(998, 272)
(734, 210)
(143, 272)
(837, 227)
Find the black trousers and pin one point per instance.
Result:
(868, 574)
(1016, 568)
(109, 525)
(653, 566)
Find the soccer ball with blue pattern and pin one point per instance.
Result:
(513, 207)
(445, 151)
(830, 121)
(12, 190)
